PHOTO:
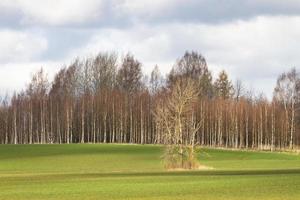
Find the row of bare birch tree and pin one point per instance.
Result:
(101, 100)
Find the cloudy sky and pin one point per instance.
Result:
(253, 40)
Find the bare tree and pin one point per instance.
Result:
(239, 89)
(286, 92)
(130, 74)
(173, 115)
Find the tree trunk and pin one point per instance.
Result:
(82, 121)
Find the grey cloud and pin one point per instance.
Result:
(61, 41)
(206, 11)
(220, 11)
(113, 14)
(9, 19)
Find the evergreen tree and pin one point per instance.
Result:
(223, 86)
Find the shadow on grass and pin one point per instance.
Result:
(152, 174)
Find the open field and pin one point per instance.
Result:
(105, 171)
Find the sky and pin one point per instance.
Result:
(252, 40)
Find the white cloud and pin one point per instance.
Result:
(144, 43)
(15, 76)
(260, 47)
(20, 46)
(55, 12)
(254, 51)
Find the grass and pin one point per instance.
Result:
(101, 171)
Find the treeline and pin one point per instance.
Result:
(99, 100)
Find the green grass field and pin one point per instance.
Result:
(136, 172)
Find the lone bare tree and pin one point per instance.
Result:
(175, 116)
